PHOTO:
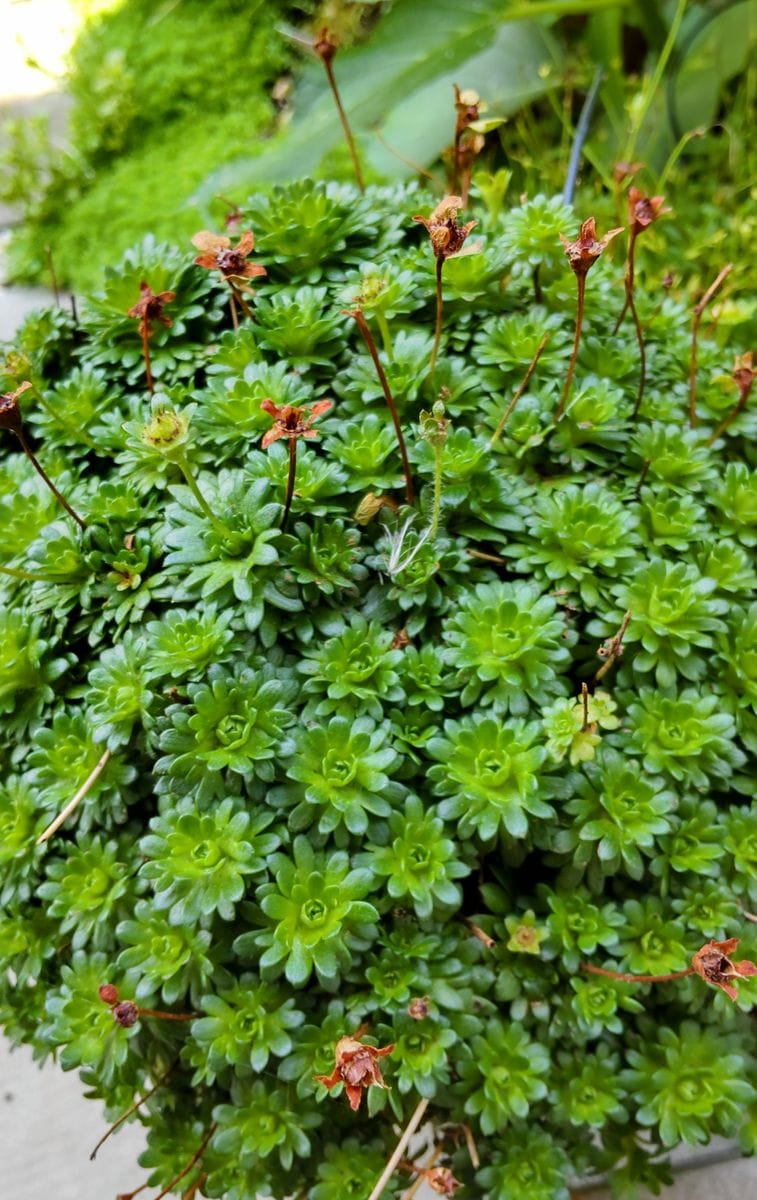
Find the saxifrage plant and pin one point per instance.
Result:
(310, 789)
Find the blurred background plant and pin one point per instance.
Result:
(221, 91)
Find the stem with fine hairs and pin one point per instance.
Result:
(46, 478)
(144, 329)
(345, 124)
(581, 281)
(521, 389)
(74, 803)
(628, 978)
(696, 321)
(399, 1150)
(237, 296)
(368, 338)
(439, 313)
(290, 481)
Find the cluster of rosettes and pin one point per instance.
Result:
(309, 789)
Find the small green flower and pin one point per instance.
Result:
(571, 726)
(525, 935)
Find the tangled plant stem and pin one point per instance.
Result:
(520, 389)
(696, 321)
(365, 332)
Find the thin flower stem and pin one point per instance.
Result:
(240, 300)
(233, 311)
(131, 1195)
(74, 803)
(642, 352)
(399, 1150)
(650, 91)
(520, 390)
(345, 124)
(644, 472)
(53, 276)
(615, 647)
(46, 478)
(439, 313)
(132, 1109)
(738, 407)
(290, 481)
(160, 1015)
(194, 1159)
(472, 1148)
(437, 510)
(629, 281)
(627, 978)
(222, 530)
(362, 325)
(585, 703)
(581, 280)
(145, 331)
(696, 321)
(386, 336)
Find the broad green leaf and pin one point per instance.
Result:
(400, 82)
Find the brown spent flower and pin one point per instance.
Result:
(587, 248)
(356, 1067)
(325, 45)
(713, 963)
(10, 410)
(643, 210)
(743, 372)
(468, 106)
(418, 1008)
(624, 170)
(108, 993)
(150, 307)
(441, 1180)
(292, 422)
(125, 1013)
(218, 254)
(446, 233)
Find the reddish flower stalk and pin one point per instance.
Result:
(11, 419)
(132, 1109)
(447, 240)
(468, 109)
(292, 423)
(217, 253)
(643, 211)
(582, 254)
(192, 1162)
(520, 390)
(743, 377)
(326, 47)
(695, 323)
(149, 308)
(712, 963)
(359, 319)
(612, 649)
(126, 1012)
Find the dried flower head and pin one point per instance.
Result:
(218, 254)
(625, 170)
(643, 210)
(292, 422)
(125, 1013)
(441, 1180)
(356, 1067)
(418, 1008)
(150, 307)
(10, 410)
(714, 964)
(743, 373)
(587, 248)
(325, 45)
(446, 233)
(468, 105)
